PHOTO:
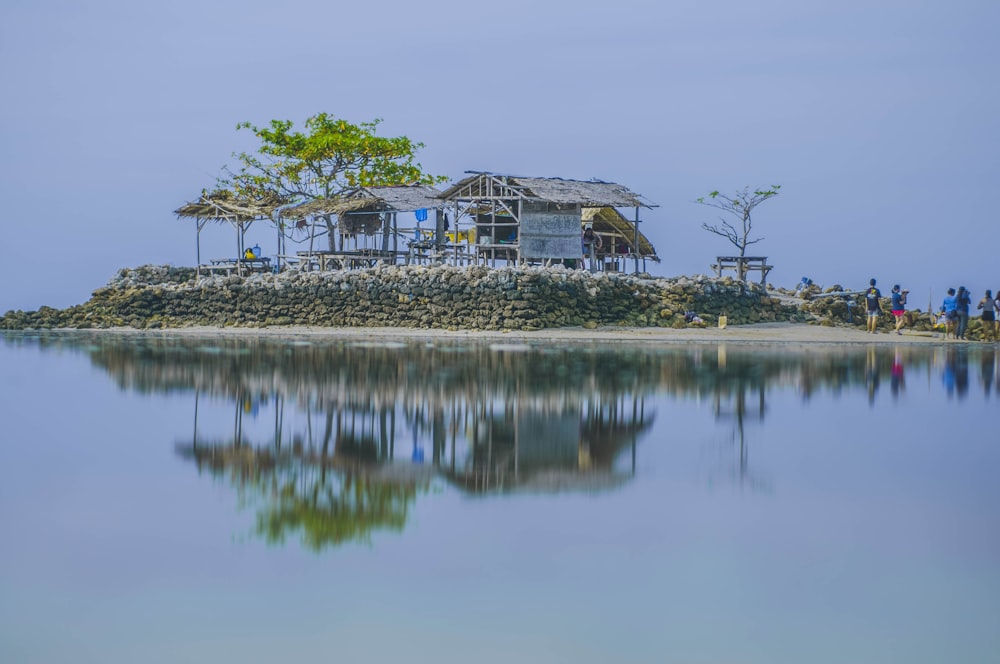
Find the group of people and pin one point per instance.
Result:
(954, 310)
(873, 303)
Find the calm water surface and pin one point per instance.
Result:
(207, 500)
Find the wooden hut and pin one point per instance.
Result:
(371, 212)
(222, 206)
(539, 220)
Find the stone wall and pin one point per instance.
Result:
(469, 298)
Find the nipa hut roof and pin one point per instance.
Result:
(591, 193)
(608, 221)
(223, 205)
(397, 198)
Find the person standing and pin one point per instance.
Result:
(962, 302)
(989, 307)
(996, 325)
(592, 243)
(948, 308)
(872, 297)
(898, 306)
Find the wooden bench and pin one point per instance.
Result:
(743, 265)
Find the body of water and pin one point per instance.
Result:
(185, 499)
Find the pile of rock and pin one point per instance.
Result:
(471, 298)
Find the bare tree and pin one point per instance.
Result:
(740, 205)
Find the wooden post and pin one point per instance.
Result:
(636, 252)
(199, 224)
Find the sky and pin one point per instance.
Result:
(878, 120)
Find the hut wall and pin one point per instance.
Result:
(552, 439)
(549, 230)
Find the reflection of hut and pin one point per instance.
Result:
(537, 447)
(526, 219)
(223, 206)
(370, 212)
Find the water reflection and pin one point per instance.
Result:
(332, 441)
(987, 369)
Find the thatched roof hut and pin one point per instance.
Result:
(225, 206)
(368, 210)
(397, 198)
(589, 193)
(540, 219)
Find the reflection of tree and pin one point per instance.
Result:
(328, 501)
(331, 513)
(730, 403)
(493, 418)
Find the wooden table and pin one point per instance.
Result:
(346, 260)
(490, 252)
(239, 265)
(743, 265)
(455, 254)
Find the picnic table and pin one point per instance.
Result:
(421, 251)
(239, 265)
(346, 260)
(743, 265)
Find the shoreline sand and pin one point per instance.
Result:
(758, 334)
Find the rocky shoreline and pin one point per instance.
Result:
(445, 298)
(436, 297)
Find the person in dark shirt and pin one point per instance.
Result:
(592, 243)
(874, 306)
(962, 302)
(898, 306)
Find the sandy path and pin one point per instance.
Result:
(764, 333)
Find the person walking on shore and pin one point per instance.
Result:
(948, 307)
(989, 307)
(962, 302)
(898, 307)
(872, 297)
(996, 325)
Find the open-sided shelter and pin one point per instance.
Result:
(371, 211)
(535, 219)
(224, 207)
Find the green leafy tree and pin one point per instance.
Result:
(740, 205)
(331, 156)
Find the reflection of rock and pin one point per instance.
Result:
(337, 374)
